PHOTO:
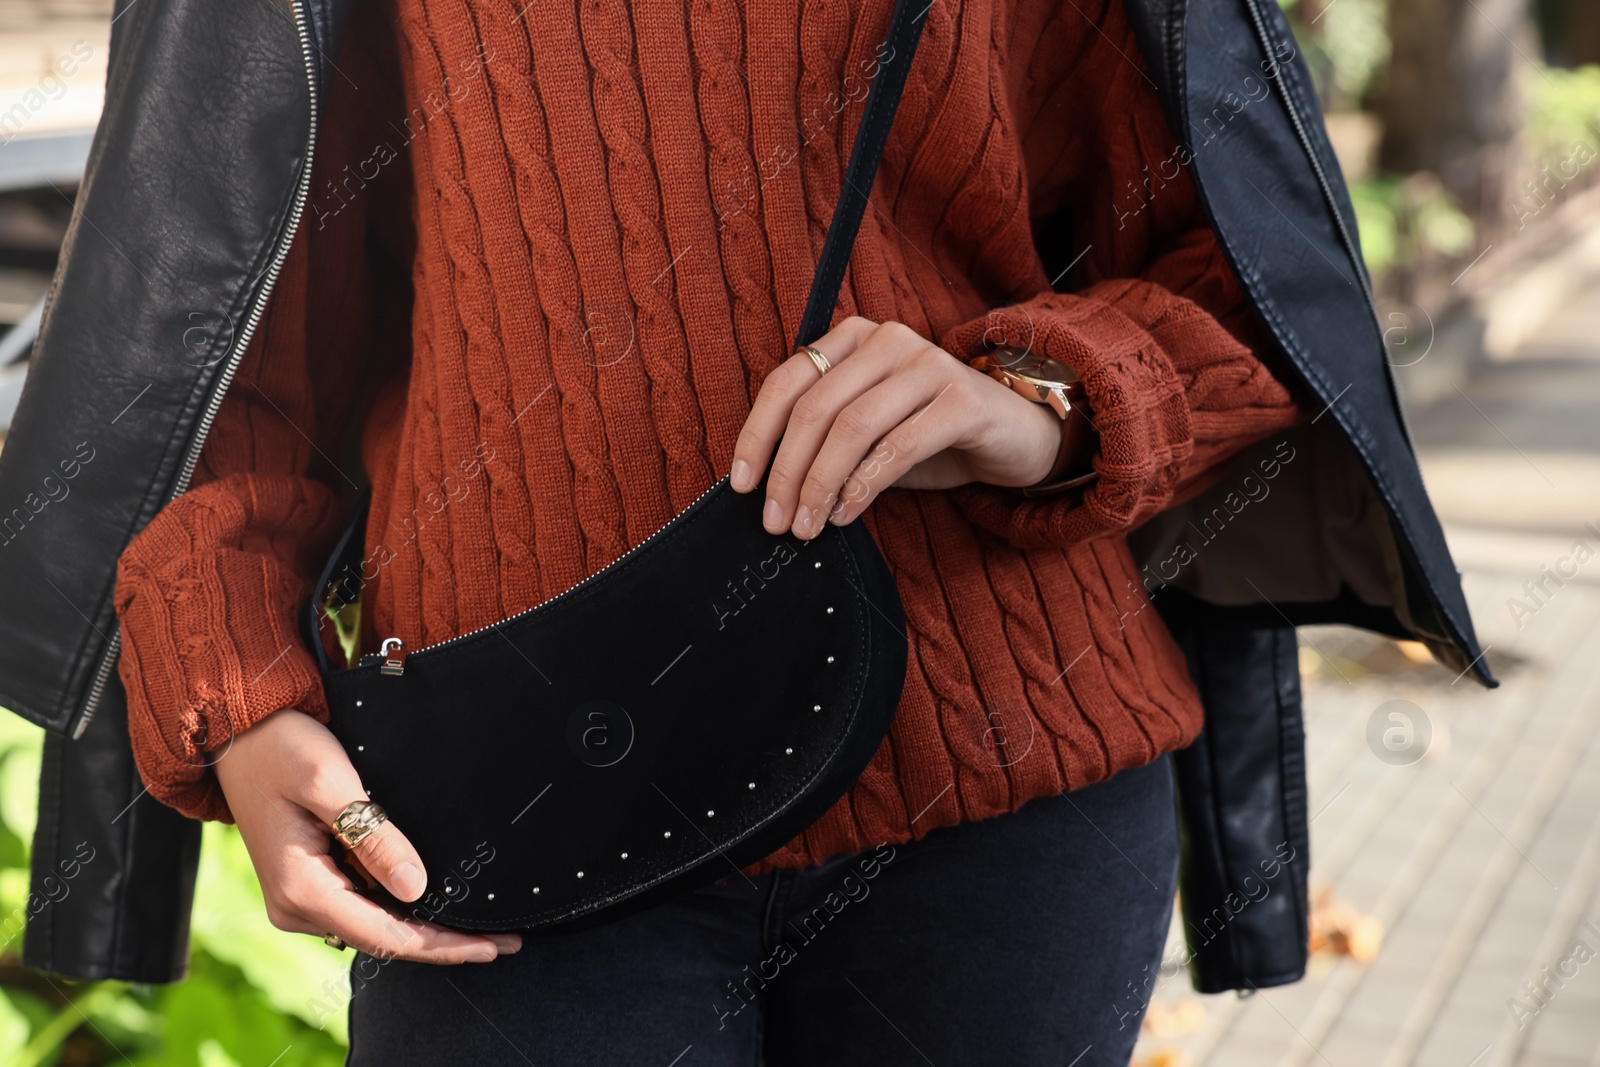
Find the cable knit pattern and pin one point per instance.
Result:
(551, 253)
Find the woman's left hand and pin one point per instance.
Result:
(894, 409)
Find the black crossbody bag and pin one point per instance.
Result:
(678, 715)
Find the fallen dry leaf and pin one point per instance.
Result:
(1415, 651)
(1341, 930)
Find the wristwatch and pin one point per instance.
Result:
(1043, 380)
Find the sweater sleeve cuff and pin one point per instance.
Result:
(211, 642)
(1174, 395)
(1140, 413)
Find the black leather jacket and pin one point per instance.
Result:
(195, 185)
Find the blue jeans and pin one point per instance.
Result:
(1014, 940)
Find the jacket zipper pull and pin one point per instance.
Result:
(393, 651)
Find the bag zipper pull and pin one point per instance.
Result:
(393, 651)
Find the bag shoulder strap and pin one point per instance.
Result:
(883, 98)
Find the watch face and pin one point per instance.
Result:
(1033, 366)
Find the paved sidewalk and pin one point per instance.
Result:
(1481, 860)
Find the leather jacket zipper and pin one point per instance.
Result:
(1350, 247)
(1446, 630)
(203, 429)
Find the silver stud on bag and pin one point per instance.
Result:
(830, 659)
(580, 874)
(624, 855)
(830, 611)
(752, 785)
(667, 834)
(816, 707)
(490, 896)
(788, 752)
(536, 890)
(710, 814)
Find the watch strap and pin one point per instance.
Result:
(1064, 473)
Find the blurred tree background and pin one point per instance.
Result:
(1457, 122)
(1461, 125)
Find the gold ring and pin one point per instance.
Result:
(817, 357)
(356, 821)
(333, 941)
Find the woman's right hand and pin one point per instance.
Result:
(286, 779)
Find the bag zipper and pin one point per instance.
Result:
(394, 652)
(192, 459)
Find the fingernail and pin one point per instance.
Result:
(739, 475)
(772, 517)
(804, 522)
(408, 881)
(486, 956)
(506, 943)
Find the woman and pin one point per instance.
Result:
(591, 229)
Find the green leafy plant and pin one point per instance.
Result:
(254, 995)
(1401, 219)
(1563, 112)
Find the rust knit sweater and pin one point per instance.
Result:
(550, 252)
